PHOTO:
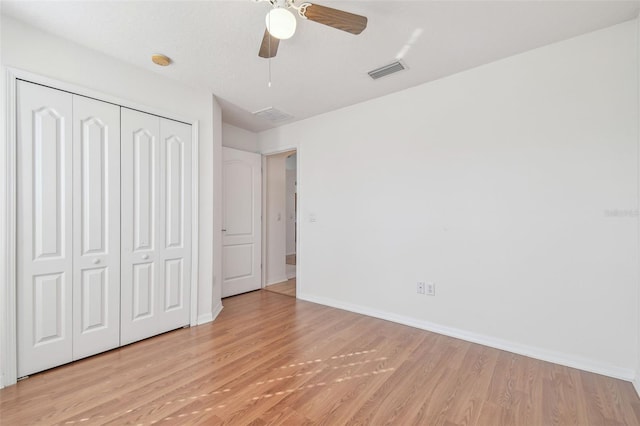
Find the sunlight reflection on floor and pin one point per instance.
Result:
(228, 393)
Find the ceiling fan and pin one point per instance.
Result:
(281, 22)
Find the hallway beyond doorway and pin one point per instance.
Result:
(287, 288)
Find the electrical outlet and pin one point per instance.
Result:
(430, 289)
(420, 287)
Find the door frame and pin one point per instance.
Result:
(300, 201)
(8, 202)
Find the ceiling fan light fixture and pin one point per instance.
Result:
(281, 23)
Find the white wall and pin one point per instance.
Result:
(235, 137)
(4, 315)
(512, 186)
(291, 162)
(31, 50)
(275, 219)
(636, 381)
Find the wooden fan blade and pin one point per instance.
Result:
(269, 46)
(335, 18)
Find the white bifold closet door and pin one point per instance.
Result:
(96, 226)
(156, 225)
(68, 227)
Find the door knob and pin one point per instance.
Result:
(145, 256)
(96, 261)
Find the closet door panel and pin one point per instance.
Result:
(44, 234)
(96, 195)
(175, 218)
(143, 295)
(174, 285)
(142, 270)
(144, 168)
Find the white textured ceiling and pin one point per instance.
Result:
(214, 44)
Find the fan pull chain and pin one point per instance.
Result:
(269, 83)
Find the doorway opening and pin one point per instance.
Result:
(281, 204)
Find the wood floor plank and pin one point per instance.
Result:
(394, 403)
(516, 385)
(270, 359)
(351, 379)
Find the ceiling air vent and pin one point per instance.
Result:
(273, 115)
(386, 70)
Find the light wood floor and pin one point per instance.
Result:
(271, 359)
(288, 288)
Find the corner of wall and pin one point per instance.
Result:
(216, 291)
(216, 310)
(3, 226)
(7, 221)
(636, 380)
(210, 316)
(239, 138)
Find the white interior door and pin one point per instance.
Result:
(96, 226)
(241, 233)
(44, 234)
(156, 228)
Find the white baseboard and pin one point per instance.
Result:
(505, 345)
(636, 383)
(216, 311)
(204, 318)
(291, 274)
(210, 316)
(277, 280)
